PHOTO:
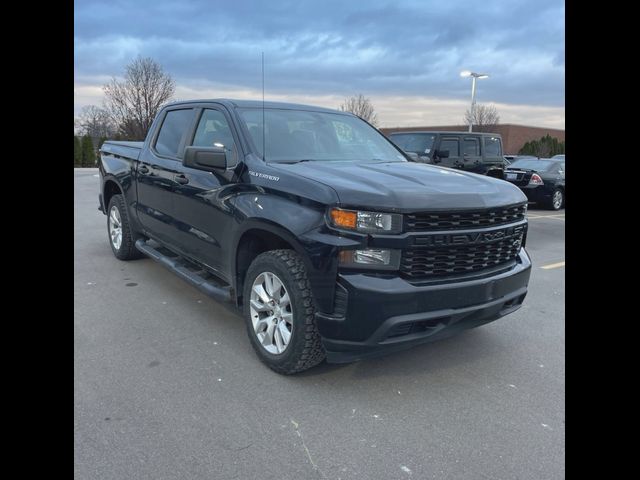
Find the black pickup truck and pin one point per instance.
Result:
(332, 242)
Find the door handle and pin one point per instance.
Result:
(143, 169)
(181, 179)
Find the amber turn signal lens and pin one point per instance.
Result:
(343, 218)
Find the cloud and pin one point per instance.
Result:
(392, 110)
(411, 49)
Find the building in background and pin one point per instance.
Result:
(513, 136)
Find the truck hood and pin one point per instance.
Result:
(400, 186)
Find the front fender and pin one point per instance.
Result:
(301, 224)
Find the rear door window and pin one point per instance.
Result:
(471, 146)
(452, 144)
(172, 132)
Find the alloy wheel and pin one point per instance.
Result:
(557, 199)
(115, 227)
(271, 313)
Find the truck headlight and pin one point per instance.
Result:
(366, 222)
(374, 258)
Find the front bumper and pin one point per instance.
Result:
(387, 313)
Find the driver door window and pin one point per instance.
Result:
(453, 145)
(214, 131)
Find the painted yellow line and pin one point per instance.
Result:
(553, 265)
(560, 216)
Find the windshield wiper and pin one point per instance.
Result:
(298, 161)
(380, 160)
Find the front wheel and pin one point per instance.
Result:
(279, 313)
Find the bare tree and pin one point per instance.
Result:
(133, 103)
(485, 118)
(95, 122)
(362, 107)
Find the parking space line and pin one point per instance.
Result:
(553, 265)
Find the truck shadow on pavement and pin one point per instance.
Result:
(466, 348)
(469, 347)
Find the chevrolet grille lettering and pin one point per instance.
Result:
(475, 238)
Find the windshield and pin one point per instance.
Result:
(539, 165)
(295, 135)
(420, 143)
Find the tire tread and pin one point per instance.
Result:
(307, 353)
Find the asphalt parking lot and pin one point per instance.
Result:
(168, 387)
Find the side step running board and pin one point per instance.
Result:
(200, 279)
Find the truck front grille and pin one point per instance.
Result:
(440, 261)
(430, 221)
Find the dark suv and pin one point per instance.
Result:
(474, 152)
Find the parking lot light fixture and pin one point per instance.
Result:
(474, 76)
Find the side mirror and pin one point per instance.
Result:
(413, 156)
(210, 159)
(442, 153)
(496, 173)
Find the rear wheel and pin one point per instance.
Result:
(121, 237)
(279, 313)
(557, 200)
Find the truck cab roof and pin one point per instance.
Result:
(445, 132)
(232, 103)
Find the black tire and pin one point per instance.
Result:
(304, 349)
(552, 204)
(127, 249)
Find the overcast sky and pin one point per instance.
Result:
(404, 55)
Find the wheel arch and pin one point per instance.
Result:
(111, 187)
(256, 237)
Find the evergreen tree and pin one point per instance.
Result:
(88, 154)
(545, 147)
(77, 152)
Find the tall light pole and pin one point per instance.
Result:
(474, 76)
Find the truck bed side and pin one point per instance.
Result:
(129, 150)
(117, 165)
